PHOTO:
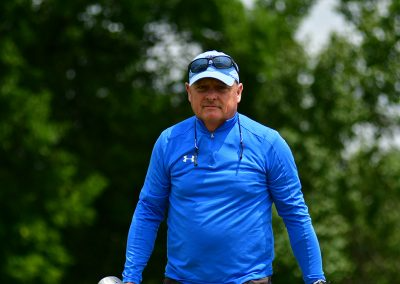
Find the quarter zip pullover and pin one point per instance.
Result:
(219, 212)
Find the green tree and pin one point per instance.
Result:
(43, 190)
(367, 194)
(351, 114)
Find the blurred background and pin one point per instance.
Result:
(87, 86)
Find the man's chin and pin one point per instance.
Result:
(213, 115)
(211, 108)
(213, 118)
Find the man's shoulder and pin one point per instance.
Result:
(263, 136)
(179, 129)
(257, 129)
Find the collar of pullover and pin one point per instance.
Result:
(228, 124)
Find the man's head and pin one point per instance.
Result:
(213, 64)
(214, 90)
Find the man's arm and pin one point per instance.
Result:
(149, 213)
(285, 187)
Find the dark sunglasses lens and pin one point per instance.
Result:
(222, 62)
(199, 65)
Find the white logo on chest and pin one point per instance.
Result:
(186, 158)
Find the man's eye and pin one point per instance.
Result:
(222, 88)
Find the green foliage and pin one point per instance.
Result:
(355, 92)
(43, 190)
(370, 207)
(86, 87)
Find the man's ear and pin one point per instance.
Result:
(239, 91)
(188, 91)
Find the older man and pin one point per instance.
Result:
(216, 176)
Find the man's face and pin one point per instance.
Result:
(213, 101)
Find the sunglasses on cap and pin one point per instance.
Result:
(219, 62)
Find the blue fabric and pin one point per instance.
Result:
(219, 212)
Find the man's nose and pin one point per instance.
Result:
(211, 94)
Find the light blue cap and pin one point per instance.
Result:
(228, 76)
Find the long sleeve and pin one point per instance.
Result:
(285, 187)
(148, 215)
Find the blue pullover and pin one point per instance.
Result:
(219, 212)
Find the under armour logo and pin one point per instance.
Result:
(185, 158)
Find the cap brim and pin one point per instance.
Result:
(228, 80)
